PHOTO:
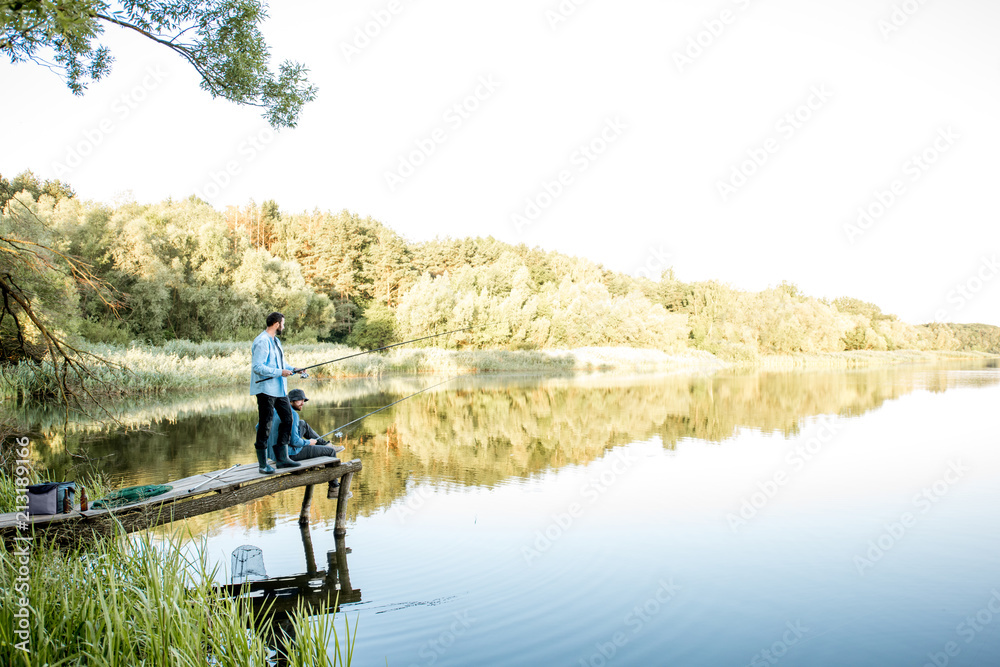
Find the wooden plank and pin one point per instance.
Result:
(157, 511)
(149, 517)
(182, 490)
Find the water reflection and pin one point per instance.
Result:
(476, 431)
(273, 600)
(468, 488)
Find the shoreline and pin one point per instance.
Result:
(180, 365)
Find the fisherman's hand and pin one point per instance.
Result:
(312, 442)
(285, 373)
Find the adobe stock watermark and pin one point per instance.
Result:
(21, 552)
(591, 492)
(777, 650)
(366, 33)
(635, 621)
(658, 260)
(580, 160)
(561, 12)
(899, 16)
(432, 649)
(795, 460)
(967, 630)
(415, 500)
(786, 127)
(122, 107)
(247, 151)
(711, 30)
(923, 501)
(454, 117)
(913, 169)
(968, 289)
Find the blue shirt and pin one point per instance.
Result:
(267, 360)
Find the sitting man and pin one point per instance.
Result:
(304, 442)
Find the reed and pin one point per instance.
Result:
(137, 602)
(180, 365)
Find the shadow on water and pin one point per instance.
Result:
(477, 430)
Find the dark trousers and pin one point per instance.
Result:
(312, 451)
(266, 405)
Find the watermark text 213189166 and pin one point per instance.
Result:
(22, 551)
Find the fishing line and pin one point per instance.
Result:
(339, 431)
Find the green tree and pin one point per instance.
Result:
(386, 266)
(377, 328)
(220, 39)
(27, 181)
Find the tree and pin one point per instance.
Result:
(386, 266)
(220, 39)
(376, 329)
(27, 180)
(38, 295)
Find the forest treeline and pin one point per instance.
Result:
(180, 269)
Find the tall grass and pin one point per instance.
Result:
(179, 365)
(124, 602)
(185, 365)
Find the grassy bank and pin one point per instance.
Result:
(133, 602)
(186, 365)
(860, 359)
(137, 369)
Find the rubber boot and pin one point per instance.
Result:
(281, 459)
(263, 468)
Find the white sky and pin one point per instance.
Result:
(654, 191)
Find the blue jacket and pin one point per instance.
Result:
(295, 442)
(267, 359)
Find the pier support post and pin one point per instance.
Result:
(340, 528)
(307, 546)
(338, 558)
(306, 504)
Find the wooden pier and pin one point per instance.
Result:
(191, 496)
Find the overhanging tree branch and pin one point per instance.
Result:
(228, 50)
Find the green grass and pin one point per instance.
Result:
(185, 365)
(121, 602)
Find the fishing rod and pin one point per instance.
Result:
(358, 354)
(221, 474)
(339, 430)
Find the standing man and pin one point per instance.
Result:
(268, 371)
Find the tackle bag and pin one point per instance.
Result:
(48, 498)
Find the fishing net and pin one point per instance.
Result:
(248, 564)
(132, 494)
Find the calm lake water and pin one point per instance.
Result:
(800, 518)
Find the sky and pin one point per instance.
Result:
(848, 147)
